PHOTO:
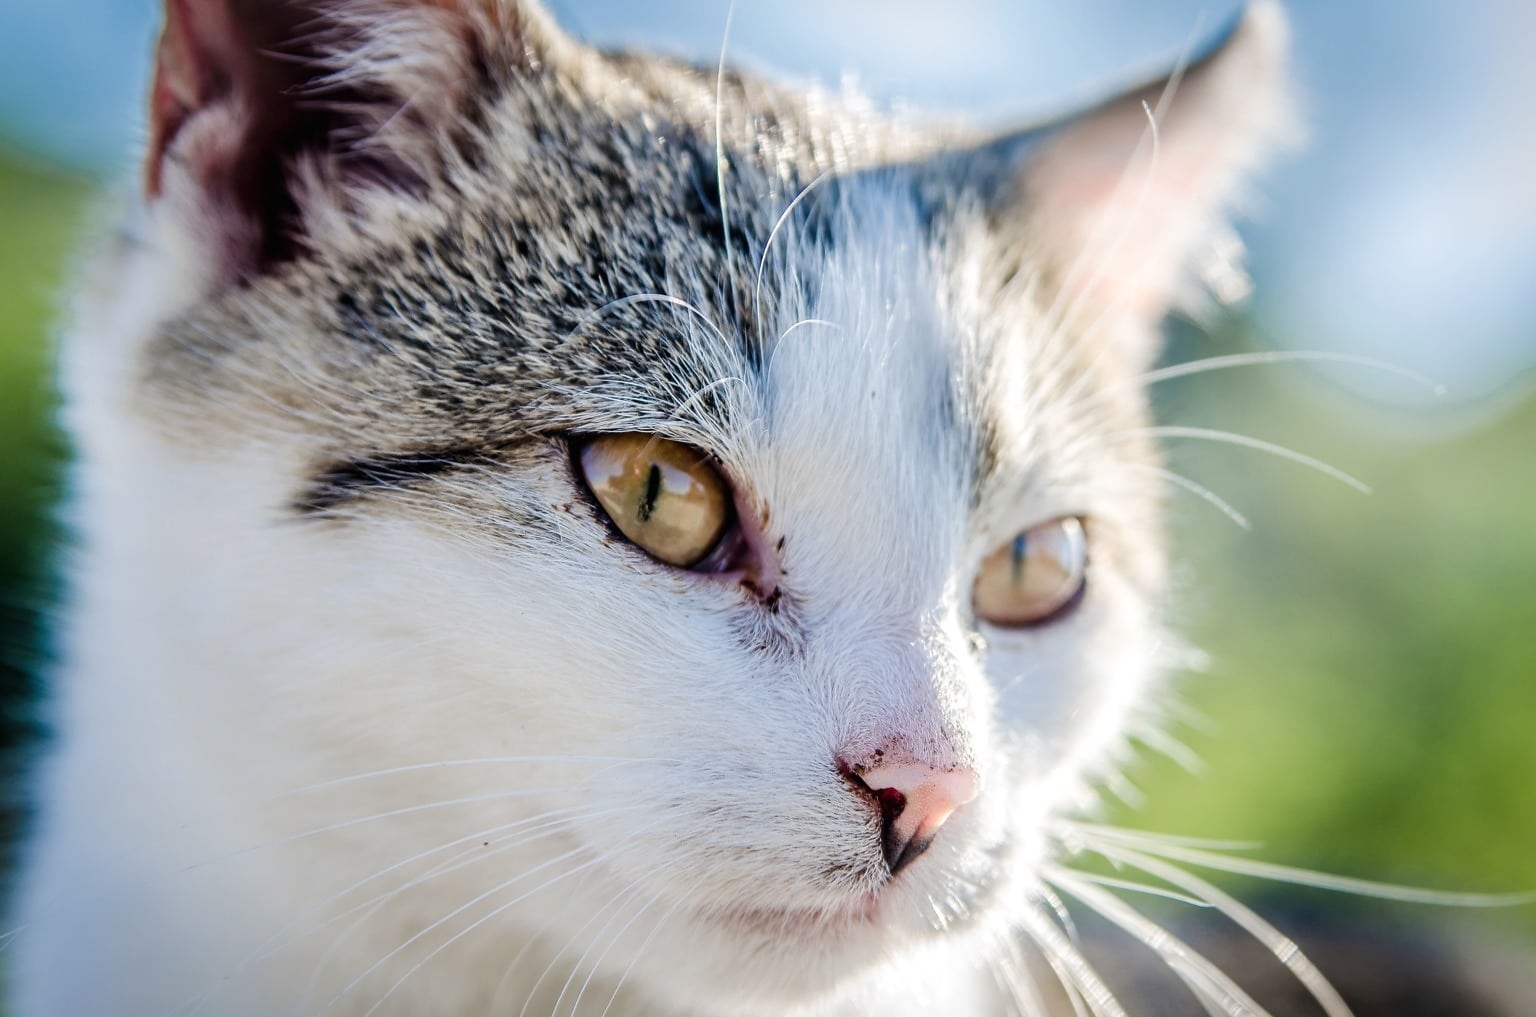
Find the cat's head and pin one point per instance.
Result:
(768, 474)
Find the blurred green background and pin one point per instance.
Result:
(1371, 701)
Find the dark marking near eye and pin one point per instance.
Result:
(1018, 558)
(346, 481)
(652, 492)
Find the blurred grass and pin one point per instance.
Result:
(40, 208)
(1373, 692)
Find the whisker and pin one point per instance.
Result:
(1228, 361)
(451, 763)
(1008, 971)
(1121, 786)
(1285, 949)
(1199, 490)
(809, 321)
(450, 916)
(1258, 445)
(284, 937)
(361, 820)
(528, 944)
(612, 942)
(1069, 964)
(1205, 979)
(1081, 834)
(625, 891)
(644, 944)
(1317, 880)
(1132, 886)
(648, 298)
(1067, 302)
(725, 219)
(1059, 908)
(478, 922)
(703, 391)
(1160, 741)
(1057, 317)
(762, 261)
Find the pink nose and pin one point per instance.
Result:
(914, 800)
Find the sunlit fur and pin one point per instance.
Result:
(441, 743)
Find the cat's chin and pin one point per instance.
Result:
(861, 916)
(776, 960)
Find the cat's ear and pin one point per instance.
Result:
(1123, 208)
(260, 105)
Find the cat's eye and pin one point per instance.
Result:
(1034, 577)
(666, 497)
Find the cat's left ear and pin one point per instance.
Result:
(1122, 210)
(268, 117)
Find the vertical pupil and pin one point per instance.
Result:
(1018, 558)
(652, 492)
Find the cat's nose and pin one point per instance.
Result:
(914, 799)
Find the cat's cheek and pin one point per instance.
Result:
(1070, 689)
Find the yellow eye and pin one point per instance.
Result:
(1034, 576)
(664, 496)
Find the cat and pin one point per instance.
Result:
(573, 532)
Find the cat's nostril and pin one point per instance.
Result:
(891, 803)
(914, 800)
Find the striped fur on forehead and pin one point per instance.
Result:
(623, 242)
(591, 235)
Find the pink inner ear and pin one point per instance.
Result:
(1122, 211)
(195, 66)
(264, 73)
(176, 88)
(241, 56)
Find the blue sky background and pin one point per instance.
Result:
(1406, 230)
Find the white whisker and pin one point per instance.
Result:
(1160, 741)
(1059, 908)
(453, 914)
(598, 963)
(530, 829)
(1193, 487)
(375, 817)
(762, 261)
(1081, 834)
(1008, 969)
(808, 321)
(648, 298)
(1285, 950)
(479, 921)
(1228, 361)
(725, 219)
(639, 952)
(1302, 877)
(1258, 445)
(1208, 982)
(1069, 964)
(613, 902)
(452, 763)
(1132, 886)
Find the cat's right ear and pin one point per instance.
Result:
(1122, 209)
(269, 117)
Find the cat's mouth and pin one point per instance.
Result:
(896, 907)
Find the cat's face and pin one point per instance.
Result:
(387, 383)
